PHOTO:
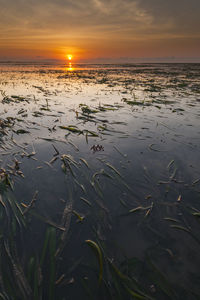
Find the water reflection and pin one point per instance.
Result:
(70, 68)
(138, 190)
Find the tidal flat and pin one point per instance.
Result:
(99, 181)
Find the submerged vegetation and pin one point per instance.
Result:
(100, 183)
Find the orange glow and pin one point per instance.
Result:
(69, 56)
(69, 68)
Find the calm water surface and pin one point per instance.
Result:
(113, 151)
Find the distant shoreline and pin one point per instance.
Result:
(32, 62)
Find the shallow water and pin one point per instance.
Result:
(131, 175)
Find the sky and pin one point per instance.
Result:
(100, 30)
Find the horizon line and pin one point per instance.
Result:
(105, 60)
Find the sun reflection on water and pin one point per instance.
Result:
(70, 68)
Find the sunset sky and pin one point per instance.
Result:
(100, 29)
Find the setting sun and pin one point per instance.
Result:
(69, 56)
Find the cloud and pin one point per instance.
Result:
(65, 15)
(182, 14)
(139, 16)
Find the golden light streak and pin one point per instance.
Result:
(69, 68)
